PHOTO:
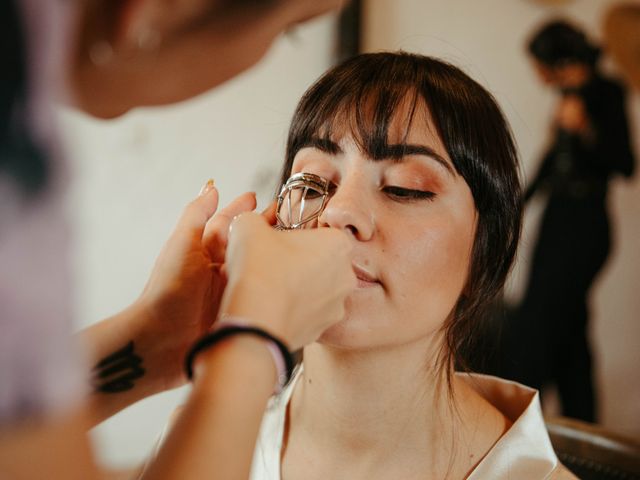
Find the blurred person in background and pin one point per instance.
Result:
(112, 57)
(545, 337)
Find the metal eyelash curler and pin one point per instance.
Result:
(302, 199)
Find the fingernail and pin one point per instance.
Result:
(207, 187)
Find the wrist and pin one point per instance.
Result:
(229, 327)
(247, 357)
(161, 346)
(120, 372)
(249, 300)
(135, 328)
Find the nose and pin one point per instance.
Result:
(350, 208)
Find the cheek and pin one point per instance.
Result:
(433, 267)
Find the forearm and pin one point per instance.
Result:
(122, 357)
(215, 434)
(53, 448)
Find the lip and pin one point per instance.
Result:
(365, 278)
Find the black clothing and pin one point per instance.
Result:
(545, 337)
(574, 166)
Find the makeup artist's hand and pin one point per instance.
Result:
(182, 296)
(571, 114)
(293, 284)
(179, 303)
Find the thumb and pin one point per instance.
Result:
(246, 224)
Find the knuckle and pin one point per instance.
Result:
(242, 222)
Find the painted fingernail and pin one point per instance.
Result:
(207, 187)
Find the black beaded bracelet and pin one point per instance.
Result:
(225, 331)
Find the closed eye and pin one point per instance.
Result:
(407, 194)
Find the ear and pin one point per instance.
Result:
(143, 23)
(134, 23)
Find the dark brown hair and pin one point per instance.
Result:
(476, 137)
(21, 158)
(558, 42)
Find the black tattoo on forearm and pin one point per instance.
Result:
(117, 372)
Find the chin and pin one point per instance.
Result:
(354, 333)
(367, 328)
(336, 336)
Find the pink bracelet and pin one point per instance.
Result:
(276, 353)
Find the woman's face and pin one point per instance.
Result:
(568, 75)
(412, 221)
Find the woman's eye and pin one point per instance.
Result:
(407, 193)
(311, 194)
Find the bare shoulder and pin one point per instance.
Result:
(483, 423)
(561, 473)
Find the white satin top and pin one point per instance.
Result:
(523, 453)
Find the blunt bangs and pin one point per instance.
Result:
(361, 99)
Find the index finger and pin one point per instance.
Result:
(217, 229)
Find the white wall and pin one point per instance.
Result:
(134, 175)
(486, 38)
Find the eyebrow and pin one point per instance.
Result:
(323, 144)
(388, 152)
